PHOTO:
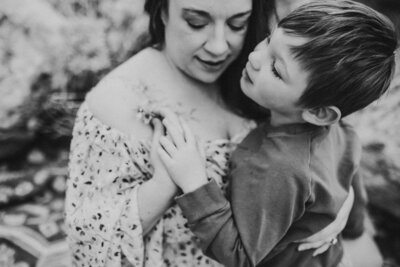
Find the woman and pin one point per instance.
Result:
(119, 208)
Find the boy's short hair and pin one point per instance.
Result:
(349, 55)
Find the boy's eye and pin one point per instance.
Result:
(274, 71)
(268, 39)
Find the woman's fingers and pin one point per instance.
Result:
(321, 249)
(307, 246)
(344, 212)
(320, 239)
(334, 228)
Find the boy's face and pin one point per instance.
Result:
(274, 79)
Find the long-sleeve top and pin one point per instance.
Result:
(106, 169)
(288, 183)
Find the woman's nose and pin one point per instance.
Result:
(217, 43)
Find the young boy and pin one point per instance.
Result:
(291, 174)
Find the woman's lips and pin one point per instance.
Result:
(213, 65)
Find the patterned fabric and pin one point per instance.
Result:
(103, 225)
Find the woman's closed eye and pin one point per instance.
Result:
(197, 23)
(238, 25)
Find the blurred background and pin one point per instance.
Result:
(52, 52)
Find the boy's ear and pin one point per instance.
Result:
(322, 116)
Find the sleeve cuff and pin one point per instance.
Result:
(202, 202)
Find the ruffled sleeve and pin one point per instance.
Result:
(106, 168)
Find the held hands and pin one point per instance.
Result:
(180, 154)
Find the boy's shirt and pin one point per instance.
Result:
(287, 183)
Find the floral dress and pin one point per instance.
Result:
(106, 169)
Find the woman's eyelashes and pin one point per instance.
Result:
(198, 24)
(238, 24)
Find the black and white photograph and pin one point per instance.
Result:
(199, 133)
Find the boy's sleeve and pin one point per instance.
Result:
(261, 227)
(355, 224)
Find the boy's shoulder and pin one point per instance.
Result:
(344, 135)
(276, 152)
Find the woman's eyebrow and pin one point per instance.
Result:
(241, 14)
(196, 12)
(206, 14)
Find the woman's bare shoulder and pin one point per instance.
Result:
(117, 97)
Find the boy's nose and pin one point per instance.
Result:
(217, 44)
(254, 59)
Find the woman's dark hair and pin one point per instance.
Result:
(156, 27)
(230, 79)
(231, 92)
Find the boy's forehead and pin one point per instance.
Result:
(281, 36)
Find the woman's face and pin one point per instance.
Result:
(202, 37)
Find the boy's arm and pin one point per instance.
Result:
(264, 210)
(210, 218)
(243, 236)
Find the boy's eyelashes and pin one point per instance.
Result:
(274, 71)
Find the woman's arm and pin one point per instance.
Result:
(117, 108)
(322, 240)
(155, 196)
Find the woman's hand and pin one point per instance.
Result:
(325, 238)
(181, 155)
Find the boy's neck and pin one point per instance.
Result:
(281, 120)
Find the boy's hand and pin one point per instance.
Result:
(160, 175)
(180, 154)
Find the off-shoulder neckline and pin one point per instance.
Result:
(85, 108)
